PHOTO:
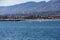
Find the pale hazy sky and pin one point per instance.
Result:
(13, 2)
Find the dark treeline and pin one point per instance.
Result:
(34, 15)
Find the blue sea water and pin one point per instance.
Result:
(29, 30)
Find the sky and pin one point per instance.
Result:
(14, 2)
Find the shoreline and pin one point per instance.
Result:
(29, 19)
(43, 20)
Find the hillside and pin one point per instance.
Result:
(32, 8)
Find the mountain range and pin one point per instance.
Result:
(32, 8)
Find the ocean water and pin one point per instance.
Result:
(29, 30)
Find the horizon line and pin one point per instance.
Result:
(21, 3)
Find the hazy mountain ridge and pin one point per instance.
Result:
(32, 7)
